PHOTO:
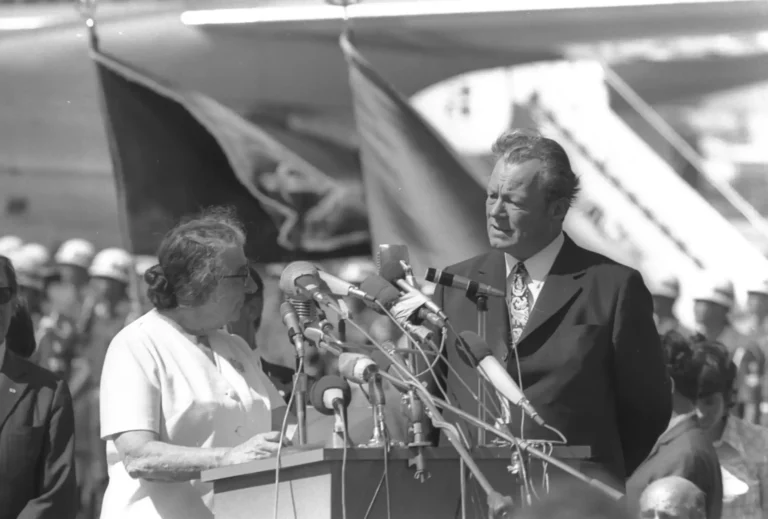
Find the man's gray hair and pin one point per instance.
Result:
(518, 146)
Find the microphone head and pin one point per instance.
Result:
(354, 365)
(392, 271)
(476, 347)
(292, 272)
(319, 388)
(381, 290)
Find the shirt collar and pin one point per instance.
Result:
(538, 265)
(732, 435)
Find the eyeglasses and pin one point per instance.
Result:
(245, 275)
(6, 294)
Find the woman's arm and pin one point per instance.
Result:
(145, 457)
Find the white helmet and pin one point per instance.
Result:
(112, 263)
(144, 263)
(30, 268)
(9, 244)
(37, 253)
(75, 252)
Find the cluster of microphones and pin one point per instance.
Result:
(394, 292)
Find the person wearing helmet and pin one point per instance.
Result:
(665, 291)
(72, 260)
(712, 309)
(9, 243)
(109, 306)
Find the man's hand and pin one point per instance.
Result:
(263, 445)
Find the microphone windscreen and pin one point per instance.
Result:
(292, 272)
(321, 386)
(477, 348)
(381, 290)
(392, 271)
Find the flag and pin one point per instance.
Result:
(419, 192)
(175, 153)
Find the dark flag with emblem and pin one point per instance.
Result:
(420, 193)
(177, 152)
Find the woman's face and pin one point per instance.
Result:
(7, 301)
(227, 300)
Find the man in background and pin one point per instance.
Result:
(672, 497)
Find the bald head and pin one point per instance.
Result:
(672, 497)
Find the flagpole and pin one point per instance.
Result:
(87, 9)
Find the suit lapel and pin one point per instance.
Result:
(561, 285)
(13, 385)
(492, 271)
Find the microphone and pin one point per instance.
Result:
(305, 308)
(324, 341)
(302, 278)
(394, 273)
(331, 396)
(389, 253)
(359, 367)
(339, 287)
(383, 292)
(492, 370)
(291, 321)
(452, 280)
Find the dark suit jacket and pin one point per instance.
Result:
(37, 471)
(682, 451)
(590, 357)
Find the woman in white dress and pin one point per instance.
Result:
(178, 394)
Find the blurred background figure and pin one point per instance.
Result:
(666, 291)
(755, 324)
(9, 244)
(672, 498)
(684, 449)
(712, 310)
(72, 260)
(742, 447)
(31, 263)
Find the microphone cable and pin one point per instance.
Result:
(283, 428)
(344, 470)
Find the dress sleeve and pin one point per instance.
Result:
(130, 386)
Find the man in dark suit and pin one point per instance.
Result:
(37, 468)
(576, 330)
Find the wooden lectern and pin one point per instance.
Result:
(311, 484)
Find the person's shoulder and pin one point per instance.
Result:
(37, 377)
(470, 264)
(754, 435)
(137, 332)
(594, 260)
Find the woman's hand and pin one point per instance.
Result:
(263, 445)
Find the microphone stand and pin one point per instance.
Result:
(481, 304)
(300, 393)
(432, 401)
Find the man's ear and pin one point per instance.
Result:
(559, 208)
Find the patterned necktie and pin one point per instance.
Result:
(520, 301)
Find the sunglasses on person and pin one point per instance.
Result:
(6, 294)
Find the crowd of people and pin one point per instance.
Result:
(149, 370)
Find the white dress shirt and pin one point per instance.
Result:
(538, 266)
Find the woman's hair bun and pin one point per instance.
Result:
(159, 290)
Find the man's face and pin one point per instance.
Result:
(520, 221)
(757, 304)
(711, 410)
(708, 312)
(7, 302)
